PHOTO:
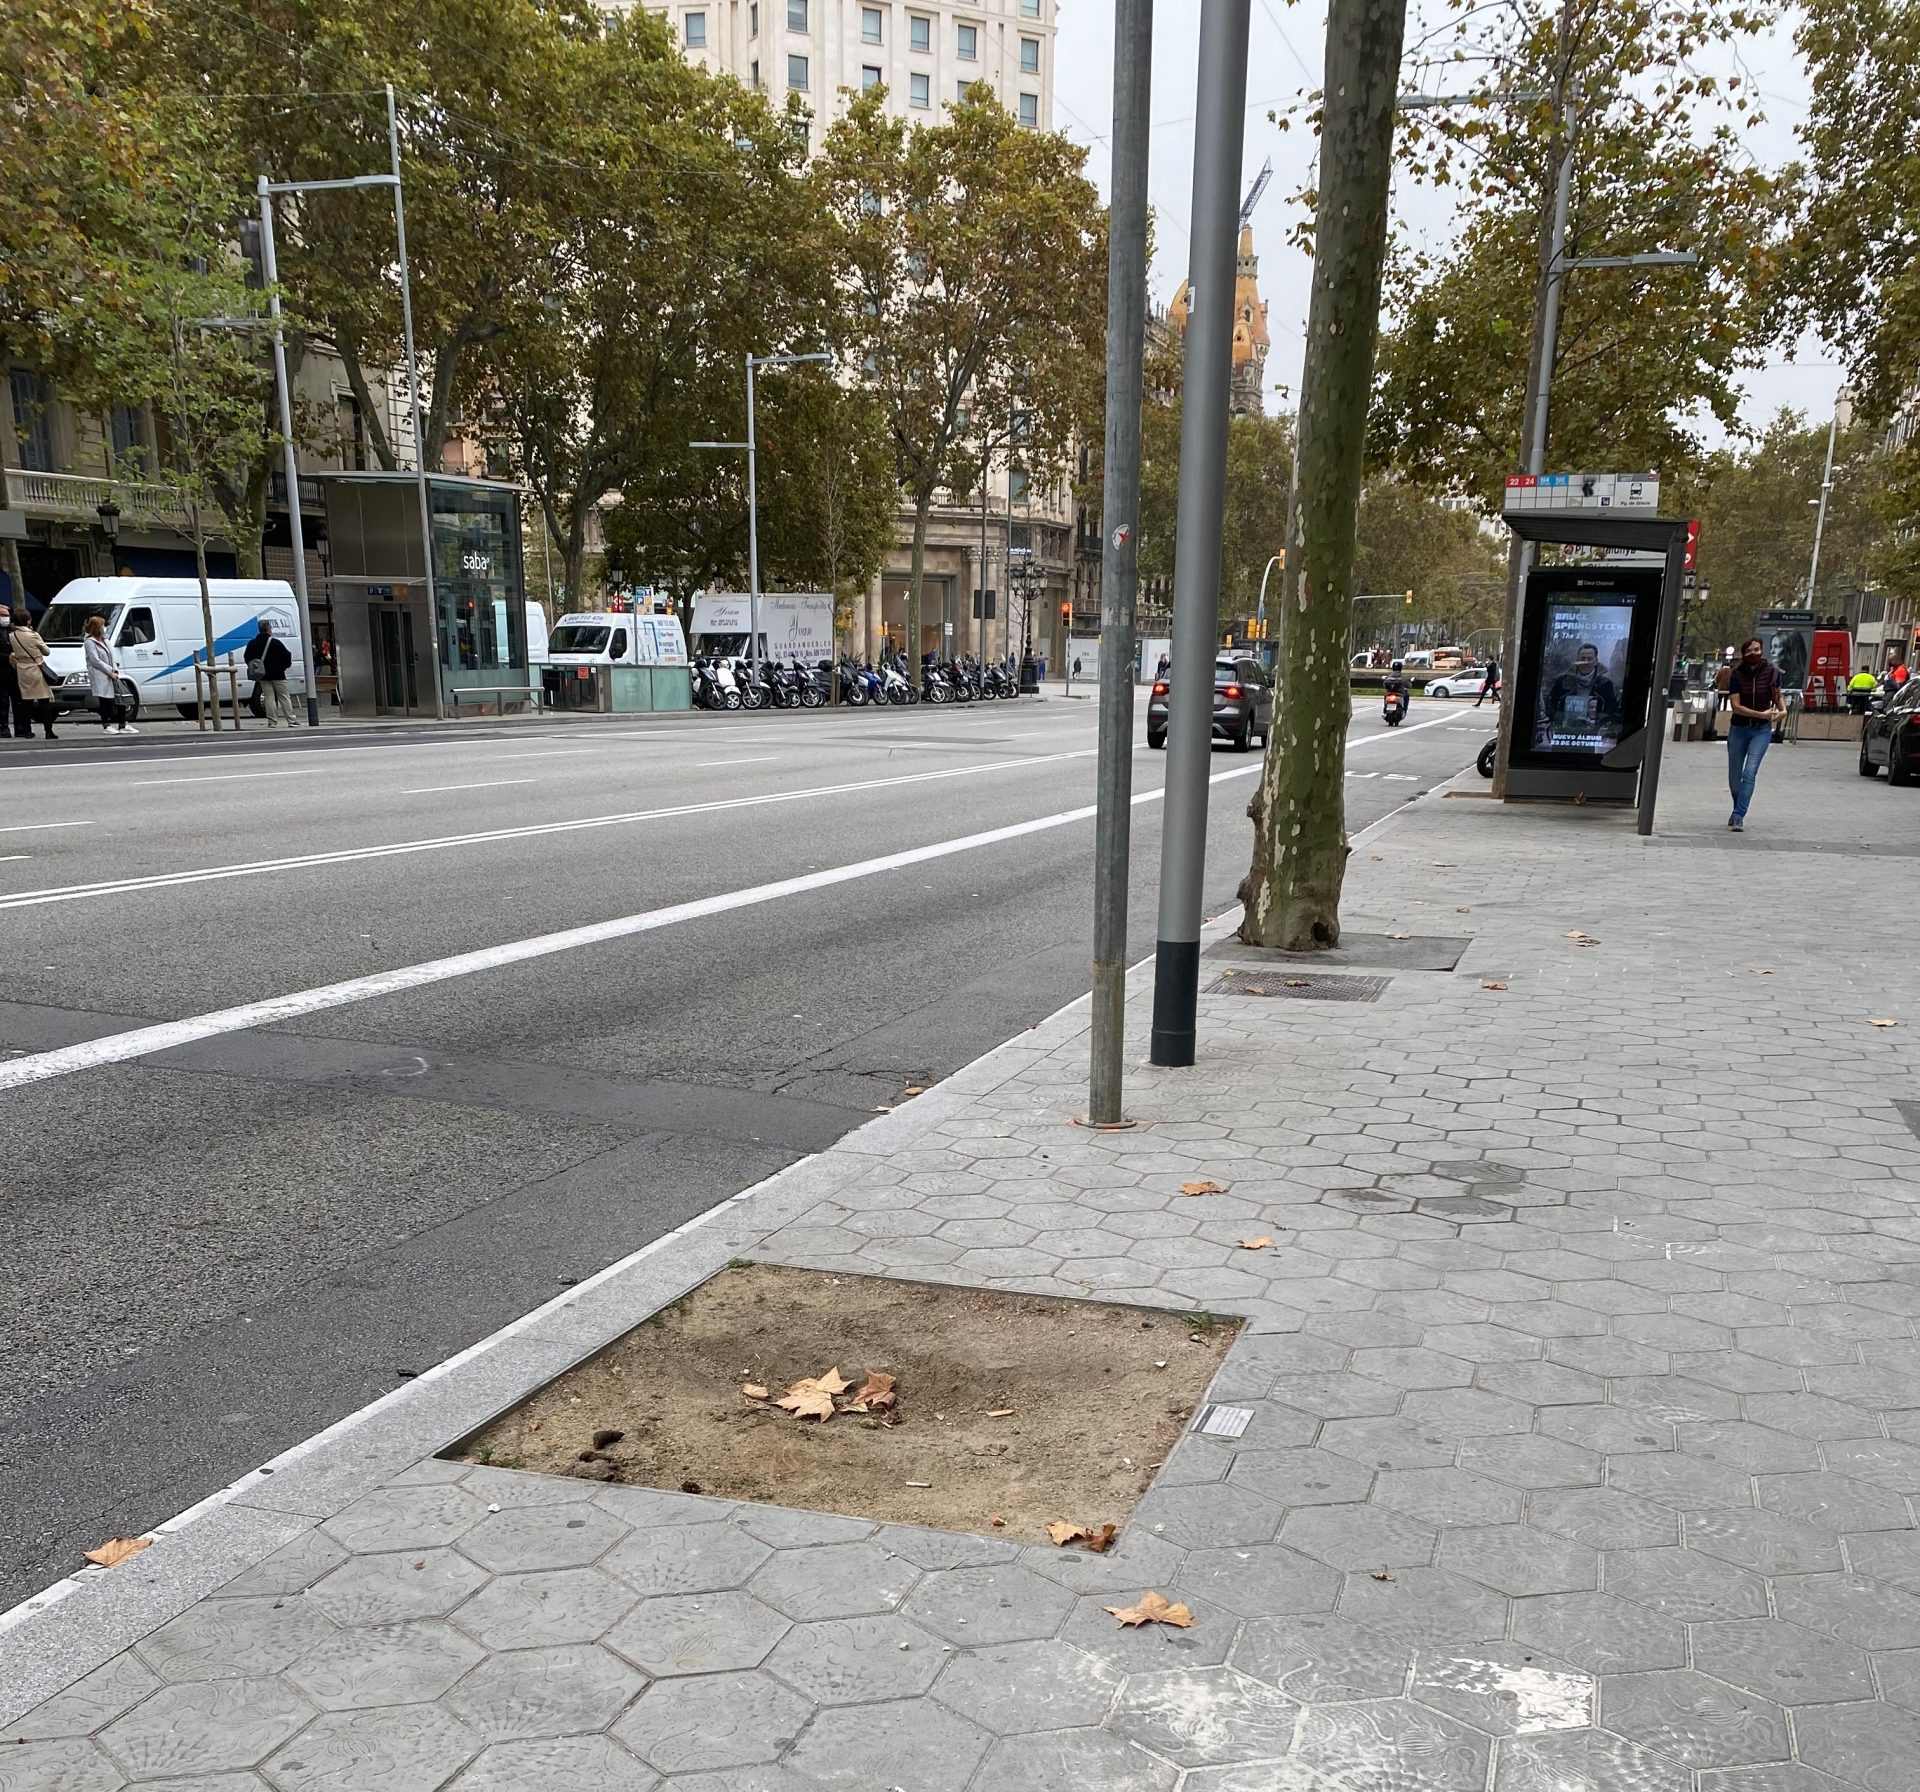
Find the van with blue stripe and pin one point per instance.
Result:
(158, 630)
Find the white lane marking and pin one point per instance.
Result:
(548, 753)
(14, 858)
(120, 1048)
(437, 789)
(758, 759)
(532, 830)
(28, 827)
(300, 771)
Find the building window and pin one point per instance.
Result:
(753, 73)
(961, 90)
(132, 452)
(869, 78)
(872, 25)
(919, 31)
(1017, 484)
(920, 90)
(753, 19)
(1029, 55)
(694, 31)
(1029, 9)
(797, 73)
(796, 15)
(1030, 111)
(966, 43)
(32, 420)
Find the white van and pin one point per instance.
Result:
(616, 638)
(536, 634)
(157, 631)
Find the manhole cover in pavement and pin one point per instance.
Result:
(1300, 988)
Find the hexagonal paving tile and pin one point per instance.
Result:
(1005, 1604)
(1323, 1658)
(1203, 1717)
(230, 1639)
(1850, 1607)
(115, 1686)
(1208, 1515)
(1358, 1537)
(844, 1661)
(532, 1537)
(1427, 1605)
(556, 1764)
(1696, 1719)
(291, 1568)
(560, 1605)
(1505, 1689)
(1764, 1542)
(1518, 1559)
(1447, 1496)
(1020, 1687)
(1869, 1745)
(1145, 1648)
(918, 1744)
(1782, 1662)
(1531, 1461)
(1835, 1503)
(205, 1727)
(1575, 1760)
(57, 1764)
(1260, 1582)
(1301, 1477)
(1396, 1745)
(384, 1589)
(836, 1580)
(1603, 1517)
(385, 1664)
(403, 1748)
(1599, 1633)
(1388, 1443)
(1073, 1761)
(699, 1633)
(1684, 1584)
(695, 1558)
(554, 1691)
(721, 1720)
(406, 1518)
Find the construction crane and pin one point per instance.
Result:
(1252, 199)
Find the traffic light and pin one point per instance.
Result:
(1066, 610)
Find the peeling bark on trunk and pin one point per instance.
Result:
(1292, 889)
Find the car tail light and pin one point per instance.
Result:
(1229, 690)
(1160, 687)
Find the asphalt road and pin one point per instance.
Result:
(216, 1249)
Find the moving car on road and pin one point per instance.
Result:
(1242, 704)
(1470, 683)
(1891, 737)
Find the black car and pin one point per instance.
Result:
(1890, 736)
(1242, 704)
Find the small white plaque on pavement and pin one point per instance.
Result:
(1223, 1421)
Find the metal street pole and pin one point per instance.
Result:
(419, 417)
(270, 272)
(1260, 614)
(1218, 140)
(982, 581)
(753, 534)
(1820, 522)
(1120, 551)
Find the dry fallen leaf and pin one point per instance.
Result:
(1296, 982)
(812, 1398)
(1001, 1412)
(998, 1523)
(1063, 1534)
(1153, 1609)
(1201, 1188)
(1399, 936)
(1874, 1021)
(1256, 1244)
(753, 1390)
(1099, 1541)
(1378, 858)
(916, 1088)
(873, 1395)
(1493, 986)
(1102, 1540)
(1759, 973)
(115, 1550)
(1381, 1574)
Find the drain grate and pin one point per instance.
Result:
(1300, 988)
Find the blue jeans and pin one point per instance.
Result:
(1747, 744)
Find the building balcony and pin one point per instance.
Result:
(77, 497)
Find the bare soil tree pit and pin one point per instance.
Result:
(1012, 1408)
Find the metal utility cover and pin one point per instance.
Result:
(1357, 952)
(1292, 984)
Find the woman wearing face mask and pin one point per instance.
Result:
(1758, 703)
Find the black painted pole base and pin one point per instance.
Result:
(1176, 1002)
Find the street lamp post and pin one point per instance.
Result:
(1260, 614)
(755, 362)
(109, 515)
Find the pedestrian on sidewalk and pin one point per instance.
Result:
(1757, 702)
(103, 678)
(269, 661)
(13, 707)
(1491, 688)
(28, 655)
(1860, 689)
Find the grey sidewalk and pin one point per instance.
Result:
(1584, 1378)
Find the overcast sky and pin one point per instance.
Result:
(1285, 61)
